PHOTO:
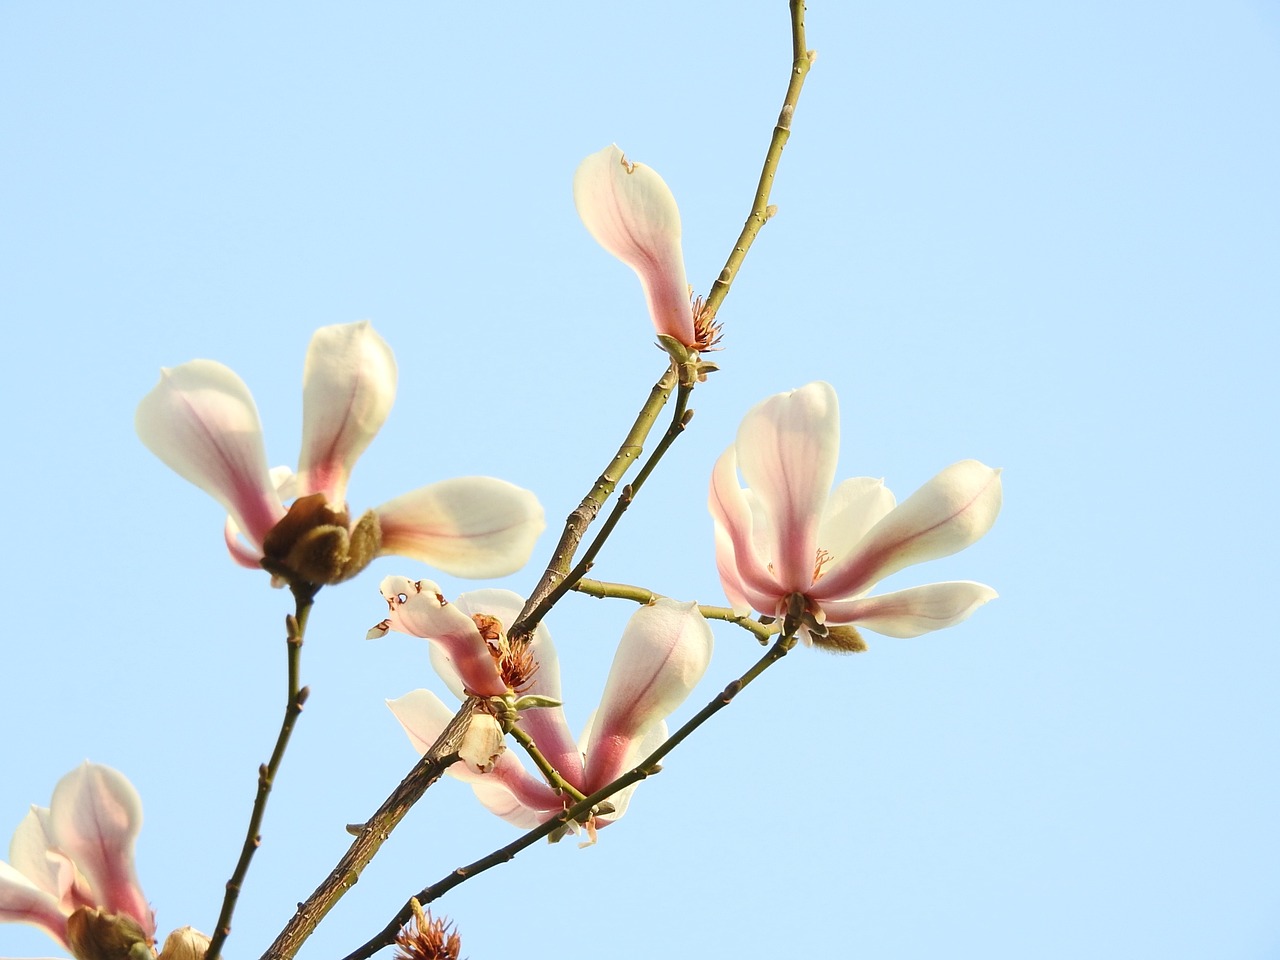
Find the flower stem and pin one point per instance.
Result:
(304, 595)
(371, 836)
(801, 61)
(641, 595)
(557, 782)
(646, 768)
(576, 524)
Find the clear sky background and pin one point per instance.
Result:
(1041, 235)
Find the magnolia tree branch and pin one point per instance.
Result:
(371, 836)
(625, 591)
(576, 524)
(304, 595)
(644, 769)
(801, 60)
(547, 768)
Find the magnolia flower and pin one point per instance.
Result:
(70, 869)
(201, 420)
(789, 535)
(662, 655)
(630, 212)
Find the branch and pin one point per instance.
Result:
(646, 768)
(304, 595)
(625, 591)
(371, 836)
(802, 60)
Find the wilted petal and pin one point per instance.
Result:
(662, 655)
(947, 514)
(469, 527)
(911, 612)
(787, 448)
(94, 818)
(201, 421)
(630, 212)
(420, 610)
(348, 386)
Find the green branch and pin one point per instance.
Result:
(304, 595)
(625, 591)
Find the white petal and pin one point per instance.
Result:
(947, 514)
(21, 901)
(630, 211)
(662, 655)
(856, 505)
(469, 527)
(348, 386)
(787, 448)
(201, 421)
(94, 818)
(911, 612)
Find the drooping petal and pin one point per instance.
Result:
(662, 655)
(508, 789)
(911, 612)
(744, 573)
(21, 901)
(348, 386)
(470, 526)
(94, 818)
(420, 610)
(630, 211)
(787, 448)
(201, 421)
(947, 514)
(856, 505)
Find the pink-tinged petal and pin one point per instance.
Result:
(348, 386)
(662, 655)
(30, 855)
(630, 212)
(855, 506)
(787, 448)
(546, 725)
(420, 610)
(94, 819)
(469, 527)
(508, 790)
(743, 571)
(21, 901)
(909, 613)
(637, 751)
(947, 514)
(201, 421)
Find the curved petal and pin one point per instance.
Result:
(348, 386)
(94, 818)
(856, 505)
(639, 748)
(787, 448)
(547, 725)
(743, 572)
(420, 610)
(909, 613)
(662, 655)
(201, 421)
(947, 514)
(21, 901)
(469, 527)
(630, 211)
(507, 790)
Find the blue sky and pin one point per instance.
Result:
(1044, 236)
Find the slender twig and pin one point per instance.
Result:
(558, 783)
(304, 595)
(371, 836)
(646, 768)
(801, 60)
(576, 524)
(641, 595)
(681, 416)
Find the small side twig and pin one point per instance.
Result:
(624, 591)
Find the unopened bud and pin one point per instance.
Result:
(185, 943)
